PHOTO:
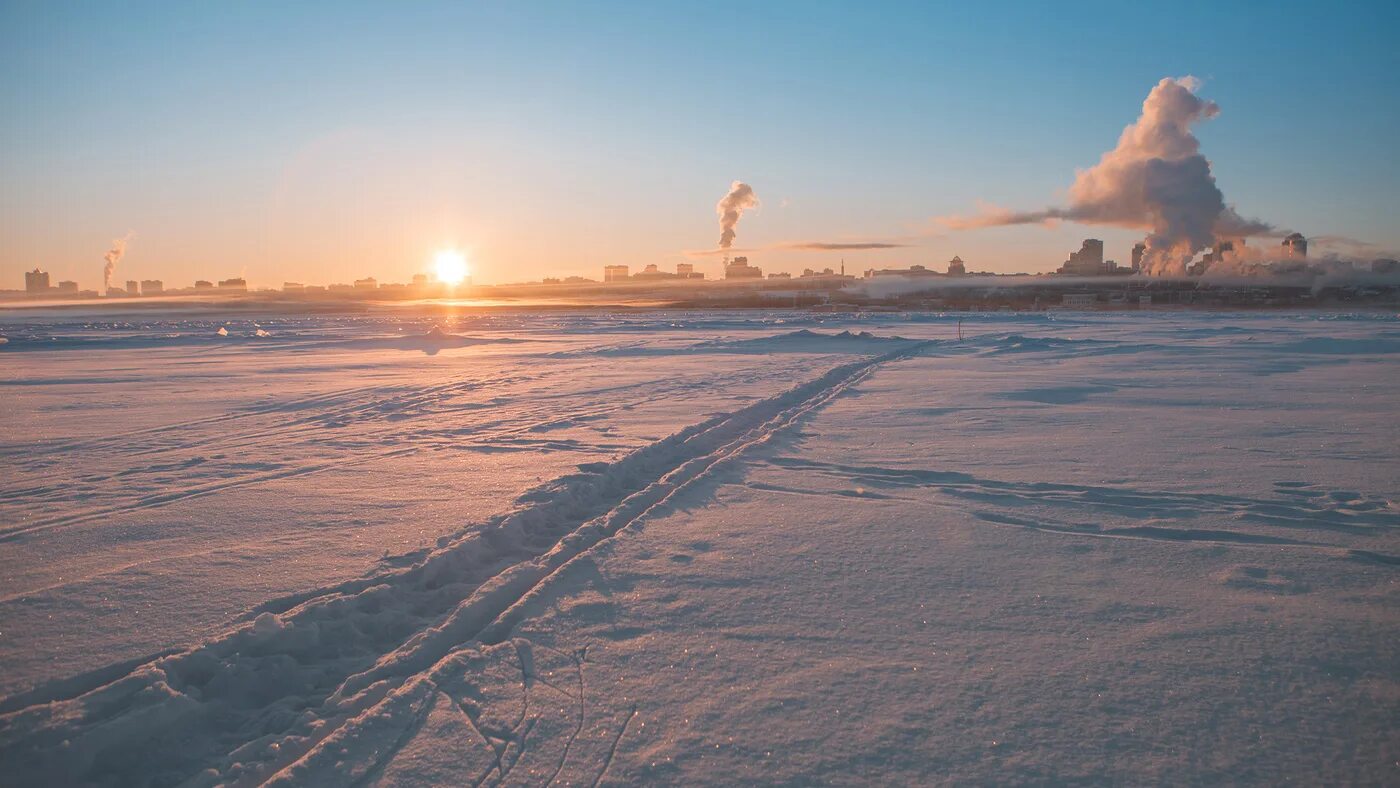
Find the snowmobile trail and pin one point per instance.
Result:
(326, 691)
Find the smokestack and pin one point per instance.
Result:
(113, 256)
(739, 199)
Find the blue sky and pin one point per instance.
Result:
(334, 140)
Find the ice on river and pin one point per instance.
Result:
(699, 547)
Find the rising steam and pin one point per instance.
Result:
(1155, 179)
(739, 199)
(113, 256)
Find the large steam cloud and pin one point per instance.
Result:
(732, 206)
(1155, 179)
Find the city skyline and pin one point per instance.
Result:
(498, 149)
(453, 275)
(707, 271)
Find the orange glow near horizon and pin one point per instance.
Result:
(450, 267)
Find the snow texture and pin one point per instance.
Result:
(699, 548)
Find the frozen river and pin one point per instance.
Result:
(692, 547)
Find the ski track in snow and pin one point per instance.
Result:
(326, 691)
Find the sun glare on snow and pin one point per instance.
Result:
(450, 267)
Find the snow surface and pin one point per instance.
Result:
(699, 547)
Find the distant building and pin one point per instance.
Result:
(237, 283)
(1385, 266)
(203, 284)
(653, 272)
(956, 267)
(152, 287)
(913, 270)
(739, 268)
(1295, 246)
(293, 287)
(781, 275)
(133, 287)
(68, 288)
(368, 283)
(36, 281)
(420, 280)
(1079, 299)
(685, 270)
(614, 273)
(1088, 261)
(824, 279)
(1139, 249)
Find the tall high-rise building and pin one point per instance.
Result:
(956, 267)
(36, 281)
(152, 287)
(1139, 249)
(133, 287)
(1088, 261)
(684, 270)
(1091, 251)
(614, 273)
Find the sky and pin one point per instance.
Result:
(324, 142)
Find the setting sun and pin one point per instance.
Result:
(450, 267)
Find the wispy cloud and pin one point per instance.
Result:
(802, 246)
(714, 252)
(837, 246)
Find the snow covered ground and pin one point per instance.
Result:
(699, 548)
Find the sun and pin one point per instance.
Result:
(450, 267)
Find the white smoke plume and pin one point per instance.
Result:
(739, 199)
(1155, 179)
(113, 256)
